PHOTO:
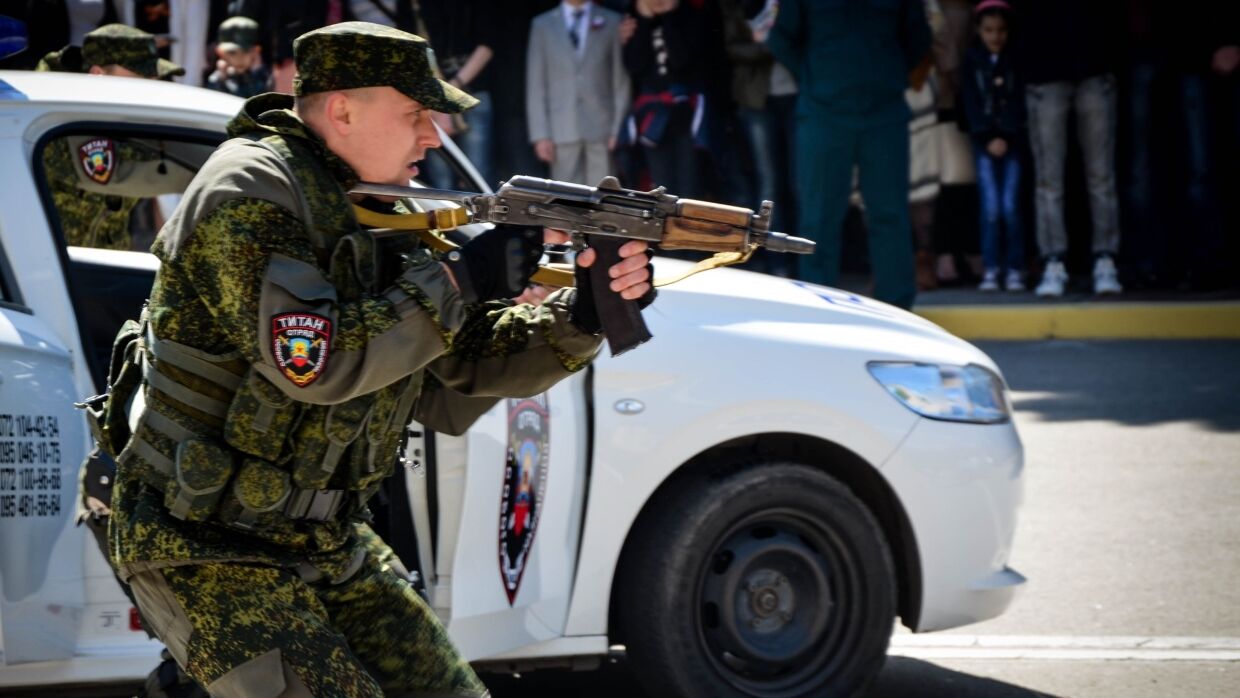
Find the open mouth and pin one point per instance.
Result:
(413, 168)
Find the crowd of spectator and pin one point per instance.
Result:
(934, 130)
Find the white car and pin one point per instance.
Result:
(745, 504)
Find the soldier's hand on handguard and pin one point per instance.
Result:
(497, 264)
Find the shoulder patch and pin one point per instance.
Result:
(98, 158)
(301, 343)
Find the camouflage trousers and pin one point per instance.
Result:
(252, 630)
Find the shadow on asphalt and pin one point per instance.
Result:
(901, 677)
(1138, 383)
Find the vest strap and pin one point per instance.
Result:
(185, 359)
(315, 505)
(184, 395)
(164, 425)
(144, 450)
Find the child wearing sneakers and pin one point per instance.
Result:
(994, 107)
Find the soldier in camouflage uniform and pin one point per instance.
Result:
(282, 353)
(97, 181)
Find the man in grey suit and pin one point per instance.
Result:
(577, 91)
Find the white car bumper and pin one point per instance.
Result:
(961, 485)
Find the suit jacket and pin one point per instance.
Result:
(571, 98)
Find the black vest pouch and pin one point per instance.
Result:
(260, 418)
(257, 497)
(203, 466)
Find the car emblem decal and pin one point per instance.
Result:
(98, 158)
(301, 343)
(525, 478)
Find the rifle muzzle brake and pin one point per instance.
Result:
(782, 242)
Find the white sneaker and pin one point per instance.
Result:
(1053, 279)
(1106, 278)
(990, 280)
(1014, 283)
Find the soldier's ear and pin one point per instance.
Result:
(340, 112)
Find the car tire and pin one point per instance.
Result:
(771, 580)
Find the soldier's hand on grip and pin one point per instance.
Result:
(584, 313)
(497, 264)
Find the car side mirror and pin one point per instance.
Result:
(13, 36)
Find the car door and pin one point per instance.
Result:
(42, 443)
(498, 511)
(92, 291)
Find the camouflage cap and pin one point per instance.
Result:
(122, 45)
(360, 54)
(168, 70)
(66, 60)
(238, 33)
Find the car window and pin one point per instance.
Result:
(106, 195)
(114, 190)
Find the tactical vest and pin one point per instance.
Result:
(222, 442)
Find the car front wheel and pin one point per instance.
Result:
(773, 581)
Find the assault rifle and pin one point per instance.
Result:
(604, 218)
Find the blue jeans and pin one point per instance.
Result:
(998, 188)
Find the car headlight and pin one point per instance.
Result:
(953, 393)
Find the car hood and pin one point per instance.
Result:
(740, 302)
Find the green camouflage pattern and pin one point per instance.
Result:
(123, 45)
(167, 70)
(88, 219)
(369, 636)
(350, 55)
(66, 60)
(207, 296)
(197, 490)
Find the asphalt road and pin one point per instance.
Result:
(1130, 537)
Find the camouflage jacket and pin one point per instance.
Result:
(286, 353)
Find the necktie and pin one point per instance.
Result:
(574, 33)
(335, 11)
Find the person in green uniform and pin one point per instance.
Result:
(282, 353)
(851, 60)
(96, 182)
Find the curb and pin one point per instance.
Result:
(1170, 320)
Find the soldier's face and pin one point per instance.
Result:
(388, 135)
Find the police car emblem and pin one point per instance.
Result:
(301, 343)
(525, 478)
(98, 158)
